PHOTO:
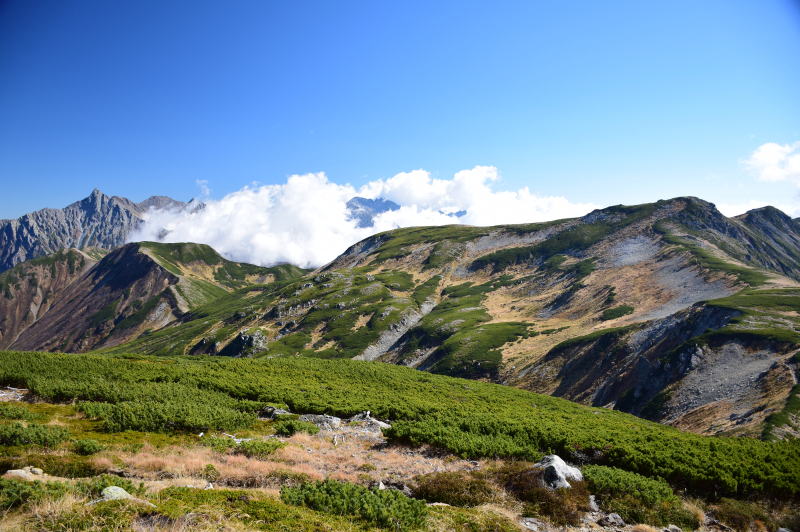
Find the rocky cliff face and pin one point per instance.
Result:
(98, 221)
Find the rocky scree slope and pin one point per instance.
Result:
(77, 303)
(668, 310)
(98, 221)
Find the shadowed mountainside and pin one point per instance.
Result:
(133, 289)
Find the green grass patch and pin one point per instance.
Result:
(616, 312)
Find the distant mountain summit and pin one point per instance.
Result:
(97, 221)
(364, 210)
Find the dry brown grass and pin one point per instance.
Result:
(644, 528)
(696, 510)
(48, 513)
(234, 470)
(356, 457)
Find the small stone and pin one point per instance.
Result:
(612, 519)
(593, 507)
(36, 471)
(673, 528)
(529, 523)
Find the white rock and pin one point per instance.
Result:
(115, 493)
(557, 473)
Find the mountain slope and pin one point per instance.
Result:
(98, 221)
(636, 308)
(612, 309)
(133, 289)
(31, 288)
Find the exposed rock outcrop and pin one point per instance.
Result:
(98, 221)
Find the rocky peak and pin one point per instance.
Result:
(769, 216)
(98, 220)
(364, 210)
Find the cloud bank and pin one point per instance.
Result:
(305, 221)
(776, 162)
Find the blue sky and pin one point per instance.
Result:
(599, 102)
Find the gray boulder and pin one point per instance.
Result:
(115, 493)
(366, 420)
(611, 520)
(323, 421)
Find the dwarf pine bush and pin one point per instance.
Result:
(384, 508)
(468, 418)
(19, 434)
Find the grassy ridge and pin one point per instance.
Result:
(467, 417)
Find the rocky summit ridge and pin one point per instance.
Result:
(97, 221)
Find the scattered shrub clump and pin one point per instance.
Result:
(637, 499)
(563, 507)
(86, 447)
(12, 411)
(385, 508)
(616, 312)
(219, 444)
(288, 427)
(33, 434)
(456, 488)
(258, 448)
(741, 515)
(14, 493)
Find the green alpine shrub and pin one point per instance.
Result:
(385, 508)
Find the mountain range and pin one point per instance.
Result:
(667, 310)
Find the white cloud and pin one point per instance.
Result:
(305, 220)
(202, 184)
(776, 162)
